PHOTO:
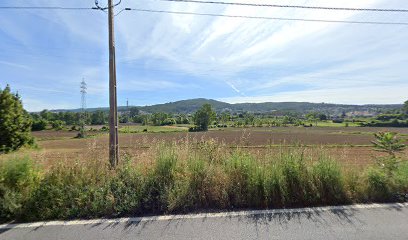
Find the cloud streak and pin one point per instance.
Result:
(167, 57)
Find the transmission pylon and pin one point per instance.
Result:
(82, 119)
(83, 95)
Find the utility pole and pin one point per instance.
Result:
(113, 114)
(113, 105)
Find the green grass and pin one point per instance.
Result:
(152, 129)
(187, 177)
(331, 124)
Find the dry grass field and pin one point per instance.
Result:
(349, 145)
(167, 172)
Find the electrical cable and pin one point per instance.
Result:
(291, 6)
(267, 18)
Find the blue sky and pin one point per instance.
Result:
(162, 57)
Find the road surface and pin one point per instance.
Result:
(386, 221)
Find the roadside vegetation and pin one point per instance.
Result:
(188, 174)
(196, 176)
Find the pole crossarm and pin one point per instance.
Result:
(107, 7)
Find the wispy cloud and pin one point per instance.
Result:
(166, 57)
(15, 65)
(360, 95)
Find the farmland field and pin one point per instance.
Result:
(170, 170)
(349, 145)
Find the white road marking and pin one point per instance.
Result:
(202, 215)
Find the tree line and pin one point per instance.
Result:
(16, 123)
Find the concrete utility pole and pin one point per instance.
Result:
(113, 103)
(113, 114)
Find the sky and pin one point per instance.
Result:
(45, 54)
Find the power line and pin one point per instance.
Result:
(267, 18)
(46, 8)
(231, 16)
(291, 6)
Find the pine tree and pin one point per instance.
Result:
(15, 122)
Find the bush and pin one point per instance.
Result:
(401, 177)
(192, 189)
(195, 129)
(378, 185)
(338, 120)
(160, 181)
(169, 122)
(83, 190)
(18, 179)
(58, 124)
(241, 170)
(328, 182)
(39, 125)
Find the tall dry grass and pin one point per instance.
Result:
(184, 176)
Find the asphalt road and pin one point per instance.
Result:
(357, 222)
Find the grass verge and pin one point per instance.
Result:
(188, 177)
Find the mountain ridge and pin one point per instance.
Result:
(191, 105)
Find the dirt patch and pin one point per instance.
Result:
(351, 146)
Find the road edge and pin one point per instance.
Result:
(203, 215)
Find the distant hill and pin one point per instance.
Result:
(191, 105)
(185, 106)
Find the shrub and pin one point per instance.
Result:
(194, 129)
(18, 179)
(328, 182)
(378, 185)
(169, 121)
(39, 125)
(338, 120)
(401, 178)
(192, 187)
(160, 180)
(296, 175)
(241, 171)
(58, 124)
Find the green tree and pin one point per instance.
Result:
(99, 118)
(313, 117)
(204, 116)
(145, 119)
(47, 115)
(133, 112)
(225, 117)
(249, 119)
(39, 125)
(389, 143)
(169, 121)
(15, 122)
(58, 124)
(405, 107)
(159, 118)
